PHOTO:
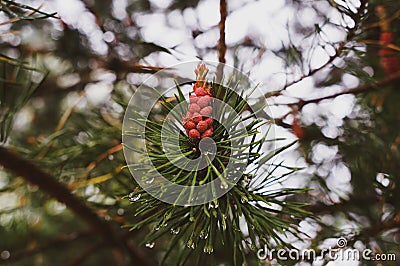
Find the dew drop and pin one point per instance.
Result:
(203, 235)
(156, 228)
(110, 157)
(175, 231)
(244, 200)
(120, 211)
(193, 246)
(132, 197)
(189, 243)
(208, 249)
(150, 245)
(149, 181)
(224, 186)
(5, 254)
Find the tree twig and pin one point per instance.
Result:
(221, 43)
(85, 254)
(61, 124)
(360, 89)
(48, 184)
(320, 208)
(381, 226)
(33, 174)
(55, 243)
(338, 52)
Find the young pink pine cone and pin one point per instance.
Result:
(197, 121)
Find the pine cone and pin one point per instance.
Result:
(197, 121)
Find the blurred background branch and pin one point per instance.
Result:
(329, 71)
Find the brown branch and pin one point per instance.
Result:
(310, 73)
(377, 24)
(381, 227)
(33, 174)
(55, 243)
(338, 51)
(361, 89)
(320, 208)
(221, 43)
(384, 44)
(61, 124)
(85, 254)
(371, 231)
(101, 157)
(48, 184)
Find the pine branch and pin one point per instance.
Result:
(321, 208)
(312, 72)
(360, 89)
(338, 52)
(48, 184)
(204, 225)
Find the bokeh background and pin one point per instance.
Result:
(329, 71)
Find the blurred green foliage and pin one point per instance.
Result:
(63, 95)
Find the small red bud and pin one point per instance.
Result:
(197, 122)
(386, 37)
(207, 134)
(194, 134)
(204, 101)
(199, 91)
(206, 111)
(297, 129)
(190, 125)
(209, 121)
(197, 118)
(202, 126)
(193, 98)
(194, 108)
